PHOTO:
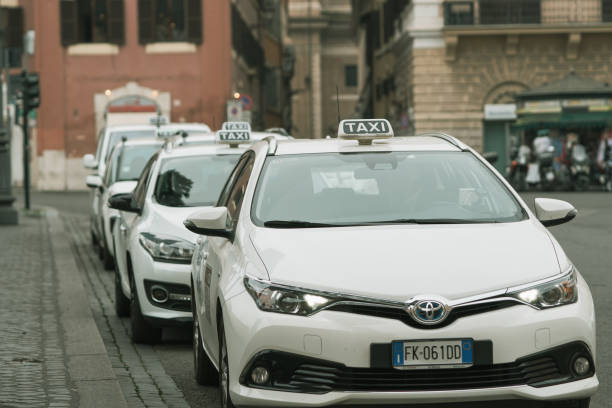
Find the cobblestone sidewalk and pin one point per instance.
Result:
(140, 373)
(34, 366)
(51, 354)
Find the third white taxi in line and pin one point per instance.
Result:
(372, 270)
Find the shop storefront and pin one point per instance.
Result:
(573, 110)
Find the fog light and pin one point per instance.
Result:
(260, 375)
(159, 294)
(581, 366)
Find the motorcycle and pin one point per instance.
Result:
(516, 173)
(545, 157)
(580, 168)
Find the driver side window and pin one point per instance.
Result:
(233, 200)
(140, 191)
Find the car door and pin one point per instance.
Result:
(95, 194)
(128, 221)
(103, 197)
(223, 256)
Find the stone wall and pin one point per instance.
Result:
(450, 95)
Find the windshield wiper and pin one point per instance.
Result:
(434, 221)
(297, 224)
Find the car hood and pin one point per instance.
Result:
(169, 221)
(401, 261)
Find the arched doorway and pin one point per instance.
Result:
(131, 99)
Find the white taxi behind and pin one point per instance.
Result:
(153, 250)
(378, 270)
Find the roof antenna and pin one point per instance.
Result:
(338, 104)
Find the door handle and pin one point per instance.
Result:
(204, 255)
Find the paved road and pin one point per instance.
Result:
(162, 375)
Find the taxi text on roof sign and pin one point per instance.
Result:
(365, 130)
(233, 136)
(236, 126)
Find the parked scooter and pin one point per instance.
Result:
(545, 157)
(580, 168)
(516, 173)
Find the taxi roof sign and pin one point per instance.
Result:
(233, 137)
(236, 126)
(365, 130)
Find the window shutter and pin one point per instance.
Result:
(116, 21)
(146, 21)
(14, 30)
(68, 22)
(193, 11)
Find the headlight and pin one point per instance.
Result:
(167, 248)
(559, 292)
(281, 299)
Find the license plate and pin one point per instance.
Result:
(433, 354)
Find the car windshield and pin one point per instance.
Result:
(131, 161)
(115, 137)
(193, 181)
(333, 189)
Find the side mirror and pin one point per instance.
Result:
(211, 221)
(93, 181)
(554, 212)
(123, 202)
(89, 161)
(491, 157)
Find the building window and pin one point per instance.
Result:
(272, 89)
(92, 21)
(606, 11)
(510, 12)
(243, 41)
(350, 75)
(170, 21)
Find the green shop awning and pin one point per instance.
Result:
(564, 120)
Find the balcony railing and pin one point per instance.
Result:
(546, 12)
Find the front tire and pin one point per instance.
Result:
(205, 371)
(142, 331)
(224, 377)
(122, 303)
(105, 255)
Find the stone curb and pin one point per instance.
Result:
(89, 367)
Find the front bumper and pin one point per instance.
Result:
(176, 278)
(345, 339)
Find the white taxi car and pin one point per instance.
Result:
(374, 270)
(152, 248)
(125, 163)
(107, 139)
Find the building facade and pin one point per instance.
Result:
(457, 66)
(328, 65)
(183, 58)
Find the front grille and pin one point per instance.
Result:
(403, 316)
(326, 378)
(297, 373)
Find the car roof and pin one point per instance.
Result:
(406, 143)
(143, 142)
(125, 128)
(187, 126)
(202, 150)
